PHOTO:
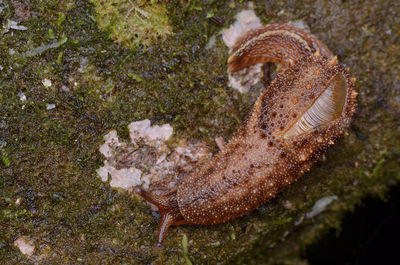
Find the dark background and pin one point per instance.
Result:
(369, 235)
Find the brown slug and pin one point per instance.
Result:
(306, 109)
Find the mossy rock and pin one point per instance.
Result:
(49, 191)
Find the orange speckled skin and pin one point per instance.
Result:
(261, 159)
(258, 162)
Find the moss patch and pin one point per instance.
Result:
(133, 23)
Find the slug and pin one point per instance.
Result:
(306, 109)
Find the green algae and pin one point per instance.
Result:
(133, 23)
(99, 85)
(6, 160)
(185, 249)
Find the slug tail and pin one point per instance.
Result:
(169, 210)
(277, 43)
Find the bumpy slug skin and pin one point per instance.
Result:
(278, 43)
(304, 111)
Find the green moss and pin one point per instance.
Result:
(6, 160)
(60, 19)
(185, 249)
(9, 214)
(132, 23)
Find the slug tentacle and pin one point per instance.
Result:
(169, 211)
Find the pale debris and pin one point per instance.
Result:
(220, 142)
(46, 82)
(22, 96)
(50, 106)
(2, 6)
(246, 78)
(110, 141)
(183, 158)
(147, 158)
(120, 178)
(320, 205)
(12, 25)
(25, 245)
(45, 47)
(84, 61)
(211, 42)
(18, 201)
(65, 88)
(143, 129)
(245, 21)
(299, 221)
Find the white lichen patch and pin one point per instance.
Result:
(12, 25)
(120, 178)
(149, 159)
(320, 205)
(50, 106)
(246, 78)
(46, 82)
(143, 129)
(111, 141)
(245, 21)
(24, 245)
(211, 42)
(22, 96)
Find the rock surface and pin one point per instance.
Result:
(55, 54)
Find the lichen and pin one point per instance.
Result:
(151, 158)
(133, 23)
(25, 245)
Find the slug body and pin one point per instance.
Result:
(306, 109)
